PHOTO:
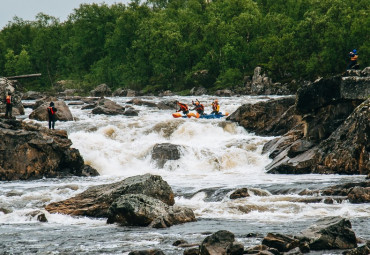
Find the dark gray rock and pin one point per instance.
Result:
(142, 210)
(163, 152)
(331, 233)
(95, 201)
(108, 107)
(219, 243)
(101, 91)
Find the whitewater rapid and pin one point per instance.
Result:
(217, 157)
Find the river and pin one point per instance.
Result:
(218, 157)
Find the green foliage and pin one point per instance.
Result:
(178, 44)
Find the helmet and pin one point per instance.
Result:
(196, 102)
(216, 101)
(354, 51)
(51, 103)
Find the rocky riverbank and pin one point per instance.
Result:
(324, 130)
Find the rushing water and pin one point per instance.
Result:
(217, 157)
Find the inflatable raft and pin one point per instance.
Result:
(197, 115)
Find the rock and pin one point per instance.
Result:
(166, 93)
(147, 252)
(101, 91)
(282, 243)
(331, 233)
(6, 87)
(167, 105)
(31, 95)
(42, 218)
(131, 112)
(125, 93)
(95, 201)
(142, 210)
(274, 117)
(239, 193)
(89, 171)
(363, 250)
(192, 251)
(359, 195)
(218, 243)
(32, 152)
(63, 113)
(262, 250)
(138, 101)
(108, 107)
(179, 242)
(224, 93)
(198, 91)
(163, 152)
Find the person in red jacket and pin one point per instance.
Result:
(183, 108)
(51, 113)
(198, 107)
(9, 106)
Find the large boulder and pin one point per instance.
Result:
(221, 243)
(33, 152)
(10, 87)
(331, 233)
(107, 107)
(95, 201)
(142, 210)
(101, 91)
(163, 152)
(63, 112)
(274, 117)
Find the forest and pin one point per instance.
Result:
(158, 45)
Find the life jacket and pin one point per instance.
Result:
(354, 57)
(183, 107)
(199, 108)
(51, 110)
(215, 107)
(8, 99)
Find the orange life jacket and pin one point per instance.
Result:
(354, 57)
(8, 99)
(183, 107)
(51, 110)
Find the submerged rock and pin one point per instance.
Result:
(33, 152)
(163, 152)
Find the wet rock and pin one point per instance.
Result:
(89, 171)
(274, 117)
(218, 243)
(108, 107)
(166, 93)
(363, 250)
(5, 210)
(101, 91)
(224, 93)
(192, 251)
(63, 113)
(282, 243)
(359, 195)
(179, 242)
(262, 250)
(125, 93)
(138, 101)
(142, 210)
(42, 218)
(331, 233)
(239, 193)
(95, 201)
(147, 252)
(167, 105)
(163, 152)
(131, 112)
(33, 152)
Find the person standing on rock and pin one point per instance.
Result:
(353, 56)
(51, 112)
(9, 106)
